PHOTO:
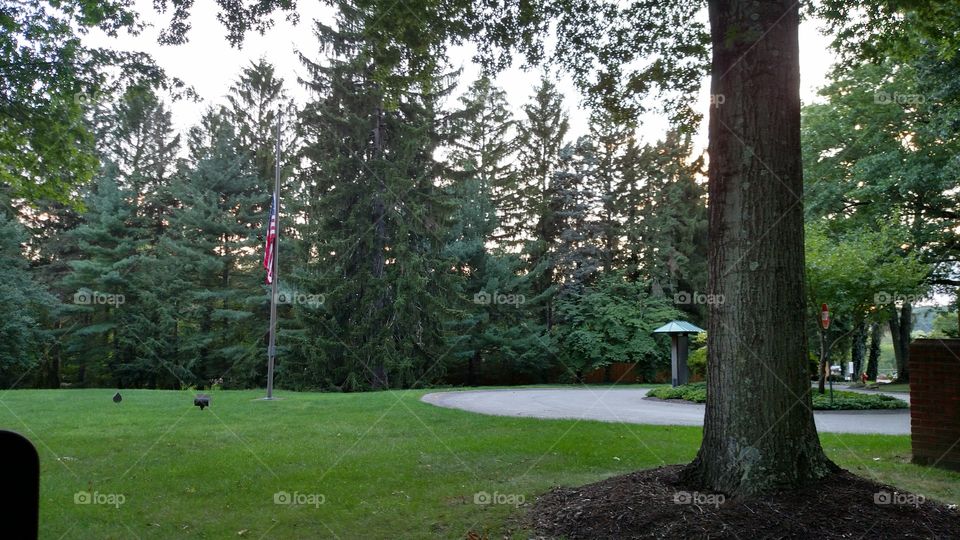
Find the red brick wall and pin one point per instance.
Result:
(935, 402)
(617, 372)
(624, 373)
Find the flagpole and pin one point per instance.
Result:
(272, 347)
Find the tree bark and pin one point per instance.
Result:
(472, 366)
(759, 433)
(873, 358)
(823, 368)
(378, 261)
(901, 325)
(859, 349)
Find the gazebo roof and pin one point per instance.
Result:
(679, 327)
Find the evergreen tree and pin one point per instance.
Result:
(131, 336)
(483, 147)
(374, 236)
(540, 138)
(142, 146)
(631, 202)
(576, 254)
(488, 337)
(254, 100)
(214, 239)
(96, 344)
(24, 341)
(672, 225)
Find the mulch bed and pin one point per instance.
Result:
(654, 504)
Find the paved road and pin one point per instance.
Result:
(630, 405)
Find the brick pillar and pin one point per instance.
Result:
(935, 402)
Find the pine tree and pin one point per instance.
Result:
(374, 235)
(254, 100)
(24, 341)
(630, 204)
(483, 147)
(488, 337)
(541, 136)
(96, 344)
(213, 237)
(143, 147)
(672, 229)
(611, 141)
(134, 329)
(577, 253)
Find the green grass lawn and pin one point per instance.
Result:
(384, 465)
(899, 387)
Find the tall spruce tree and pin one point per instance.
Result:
(611, 140)
(541, 136)
(120, 252)
(576, 254)
(672, 229)
(255, 100)
(484, 143)
(213, 236)
(489, 338)
(375, 234)
(96, 345)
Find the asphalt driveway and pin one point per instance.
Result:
(631, 405)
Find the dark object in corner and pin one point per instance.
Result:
(201, 401)
(20, 501)
(117, 398)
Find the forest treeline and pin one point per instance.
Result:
(423, 240)
(430, 235)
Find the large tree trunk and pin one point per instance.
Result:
(859, 349)
(873, 358)
(759, 433)
(378, 371)
(823, 367)
(472, 366)
(901, 325)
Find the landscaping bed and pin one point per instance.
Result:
(842, 400)
(655, 504)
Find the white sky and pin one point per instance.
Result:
(210, 65)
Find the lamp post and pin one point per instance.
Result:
(678, 332)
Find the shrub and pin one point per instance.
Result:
(697, 362)
(695, 392)
(854, 401)
(842, 401)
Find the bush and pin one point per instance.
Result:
(697, 362)
(854, 401)
(695, 392)
(842, 401)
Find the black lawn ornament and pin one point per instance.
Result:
(201, 401)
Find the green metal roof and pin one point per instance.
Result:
(679, 327)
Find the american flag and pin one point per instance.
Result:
(270, 250)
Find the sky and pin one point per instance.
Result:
(210, 64)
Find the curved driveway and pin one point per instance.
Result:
(631, 406)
